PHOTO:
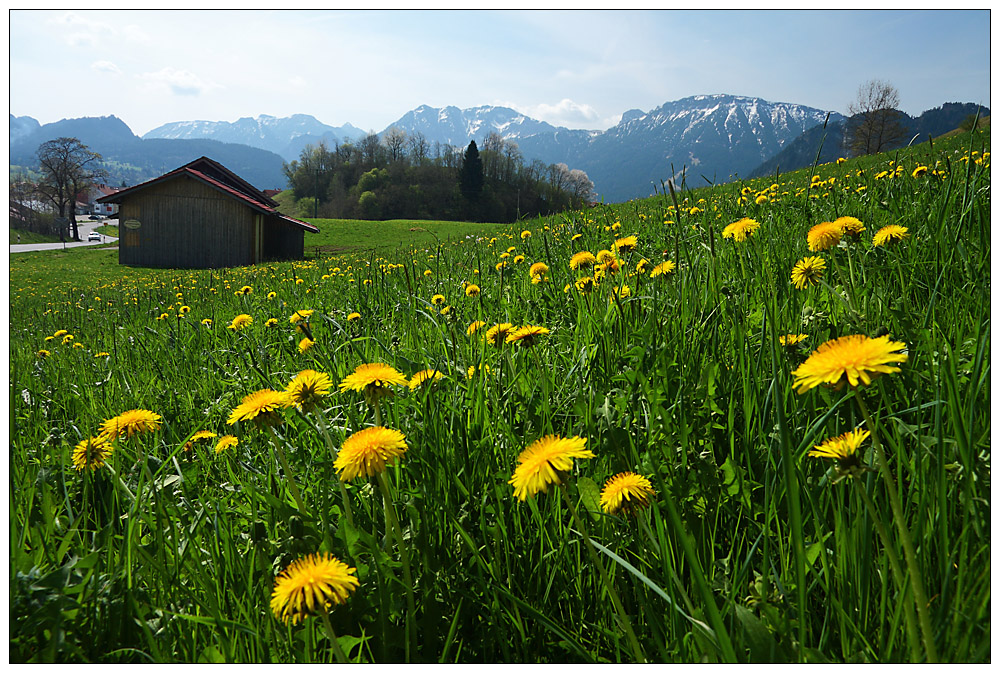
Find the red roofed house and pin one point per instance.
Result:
(202, 215)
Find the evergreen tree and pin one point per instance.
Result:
(470, 177)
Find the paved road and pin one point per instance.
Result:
(86, 226)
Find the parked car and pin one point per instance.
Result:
(93, 236)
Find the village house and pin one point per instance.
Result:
(202, 215)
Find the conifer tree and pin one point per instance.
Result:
(470, 177)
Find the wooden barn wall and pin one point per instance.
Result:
(185, 224)
(282, 240)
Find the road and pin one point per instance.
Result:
(86, 226)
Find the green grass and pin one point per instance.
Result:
(107, 230)
(750, 551)
(340, 236)
(18, 236)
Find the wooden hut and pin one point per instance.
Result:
(202, 215)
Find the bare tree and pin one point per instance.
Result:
(418, 147)
(68, 168)
(395, 143)
(371, 149)
(875, 121)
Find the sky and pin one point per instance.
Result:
(578, 69)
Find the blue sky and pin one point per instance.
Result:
(579, 69)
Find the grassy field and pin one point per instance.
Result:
(340, 236)
(17, 236)
(670, 392)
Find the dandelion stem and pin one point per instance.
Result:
(615, 600)
(333, 454)
(897, 571)
(287, 469)
(337, 652)
(390, 514)
(912, 565)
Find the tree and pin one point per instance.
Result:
(470, 177)
(395, 143)
(68, 168)
(874, 123)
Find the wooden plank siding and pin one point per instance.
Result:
(186, 224)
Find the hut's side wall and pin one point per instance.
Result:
(282, 240)
(185, 224)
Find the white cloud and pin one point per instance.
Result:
(178, 82)
(81, 31)
(566, 113)
(106, 66)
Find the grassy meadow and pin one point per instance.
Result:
(161, 513)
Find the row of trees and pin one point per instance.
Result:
(401, 175)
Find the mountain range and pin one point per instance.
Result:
(693, 141)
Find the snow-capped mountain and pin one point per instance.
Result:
(707, 138)
(716, 136)
(283, 135)
(453, 126)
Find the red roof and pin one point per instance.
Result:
(223, 180)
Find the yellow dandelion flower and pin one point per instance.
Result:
(545, 462)
(60, 333)
(300, 316)
(664, 269)
(428, 273)
(368, 451)
(808, 272)
(582, 260)
(851, 226)
(626, 492)
(919, 171)
(626, 245)
(472, 290)
(372, 378)
(262, 407)
(308, 388)
(92, 453)
(425, 377)
(498, 333)
(183, 310)
(305, 344)
(539, 269)
(312, 585)
(474, 327)
(740, 229)
(246, 289)
(271, 322)
(351, 317)
(197, 437)
(526, 336)
(130, 423)
(890, 235)
(842, 446)
(525, 234)
(850, 359)
(226, 442)
(42, 354)
(643, 266)
(207, 322)
(501, 266)
(519, 259)
(585, 285)
(240, 322)
(792, 339)
(272, 295)
(438, 299)
(824, 236)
